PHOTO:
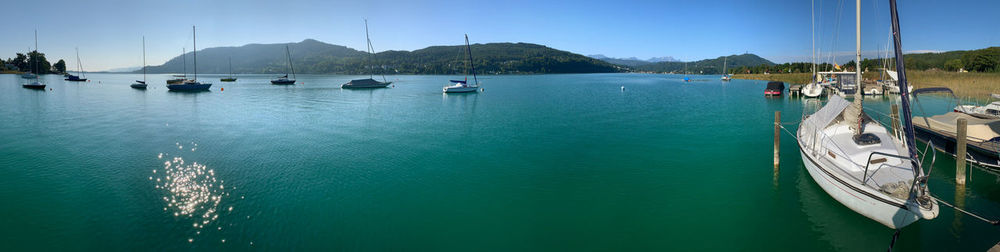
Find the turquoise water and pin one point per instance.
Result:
(540, 162)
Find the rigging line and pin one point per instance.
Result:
(991, 222)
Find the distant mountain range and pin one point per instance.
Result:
(312, 56)
(632, 61)
(706, 66)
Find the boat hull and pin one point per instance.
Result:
(138, 86)
(227, 79)
(282, 82)
(892, 213)
(175, 81)
(355, 84)
(812, 90)
(978, 154)
(461, 89)
(189, 87)
(32, 86)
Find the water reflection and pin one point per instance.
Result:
(191, 191)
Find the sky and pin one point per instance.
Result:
(108, 33)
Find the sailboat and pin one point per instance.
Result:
(462, 86)
(231, 77)
(142, 84)
(370, 82)
(29, 75)
(192, 84)
(183, 77)
(34, 64)
(858, 163)
(79, 69)
(284, 80)
(725, 74)
(813, 89)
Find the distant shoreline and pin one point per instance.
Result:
(977, 86)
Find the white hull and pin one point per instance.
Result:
(453, 89)
(891, 212)
(812, 90)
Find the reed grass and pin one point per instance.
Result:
(976, 86)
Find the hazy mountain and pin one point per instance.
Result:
(311, 56)
(124, 69)
(707, 66)
(631, 61)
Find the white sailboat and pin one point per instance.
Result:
(725, 74)
(813, 89)
(463, 86)
(858, 163)
(142, 84)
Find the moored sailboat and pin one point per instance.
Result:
(370, 82)
(79, 70)
(284, 80)
(192, 84)
(462, 86)
(858, 163)
(142, 84)
(180, 78)
(35, 84)
(231, 78)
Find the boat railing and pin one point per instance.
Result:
(864, 178)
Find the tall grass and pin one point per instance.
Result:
(977, 86)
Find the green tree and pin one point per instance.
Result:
(953, 65)
(59, 67)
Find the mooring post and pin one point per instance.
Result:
(894, 117)
(960, 141)
(777, 137)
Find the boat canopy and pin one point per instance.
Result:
(368, 81)
(458, 81)
(827, 114)
(978, 129)
(775, 85)
(892, 74)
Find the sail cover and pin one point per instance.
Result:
(458, 81)
(825, 115)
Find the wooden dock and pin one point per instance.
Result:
(795, 90)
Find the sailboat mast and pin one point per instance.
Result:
(904, 93)
(194, 37)
(812, 9)
(79, 65)
(473, 66)
(725, 63)
(143, 59)
(34, 61)
(371, 68)
(289, 56)
(184, 57)
(857, 59)
(230, 67)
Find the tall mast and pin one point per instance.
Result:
(194, 36)
(812, 10)
(371, 68)
(184, 57)
(904, 93)
(33, 60)
(469, 48)
(857, 61)
(143, 59)
(230, 67)
(725, 63)
(79, 65)
(289, 55)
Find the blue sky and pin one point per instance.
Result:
(108, 32)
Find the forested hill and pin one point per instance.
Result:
(707, 66)
(311, 56)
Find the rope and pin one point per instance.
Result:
(894, 237)
(993, 222)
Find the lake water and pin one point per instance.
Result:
(539, 162)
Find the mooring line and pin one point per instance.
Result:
(991, 222)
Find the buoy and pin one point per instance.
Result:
(623, 88)
(222, 89)
(482, 89)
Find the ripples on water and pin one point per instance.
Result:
(191, 191)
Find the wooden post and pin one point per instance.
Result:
(960, 146)
(777, 137)
(895, 119)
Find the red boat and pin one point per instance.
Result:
(774, 88)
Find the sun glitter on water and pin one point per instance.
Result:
(191, 191)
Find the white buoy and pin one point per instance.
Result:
(623, 88)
